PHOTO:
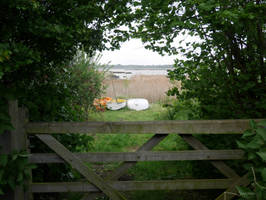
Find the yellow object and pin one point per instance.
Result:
(119, 100)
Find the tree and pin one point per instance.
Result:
(225, 69)
(38, 40)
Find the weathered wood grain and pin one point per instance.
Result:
(182, 184)
(143, 156)
(77, 164)
(147, 146)
(123, 168)
(141, 127)
(15, 140)
(220, 165)
(227, 195)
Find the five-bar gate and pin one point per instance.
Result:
(110, 186)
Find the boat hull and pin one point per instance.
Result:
(137, 104)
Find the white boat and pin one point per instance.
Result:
(137, 104)
(116, 105)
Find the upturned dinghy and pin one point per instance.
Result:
(116, 104)
(137, 104)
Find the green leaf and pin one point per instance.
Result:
(245, 192)
(1, 191)
(23, 155)
(4, 116)
(11, 183)
(6, 127)
(248, 133)
(252, 124)
(14, 156)
(20, 177)
(262, 123)
(263, 174)
(261, 132)
(262, 155)
(3, 160)
(32, 166)
(255, 143)
(251, 155)
(241, 145)
(260, 193)
(1, 174)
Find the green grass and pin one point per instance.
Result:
(125, 142)
(159, 170)
(131, 142)
(155, 112)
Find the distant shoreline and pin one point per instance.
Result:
(140, 67)
(127, 71)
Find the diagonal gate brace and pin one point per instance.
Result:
(123, 168)
(220, 165)
(77, 164)
(231, 192)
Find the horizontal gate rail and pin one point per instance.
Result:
(242, 181)
(182, 184)
(81, 167)
(142, 127)
(143, 156)
(110, 184)
(220, 165)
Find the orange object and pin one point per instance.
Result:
(100, 104)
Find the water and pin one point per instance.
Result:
(128, 73)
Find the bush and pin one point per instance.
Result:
(183, 110)
(75, 88)
(85, 82)
(253, 143)
(190, 110)
(14, 170)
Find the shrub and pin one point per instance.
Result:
(79, 83)
(253, 143)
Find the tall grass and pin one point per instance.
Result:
(151, 87)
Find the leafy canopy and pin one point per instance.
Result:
(224, 67)
(38, 40)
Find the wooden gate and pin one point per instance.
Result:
(110, 186)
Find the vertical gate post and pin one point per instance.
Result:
(15, 140)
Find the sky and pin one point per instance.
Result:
(133, 52)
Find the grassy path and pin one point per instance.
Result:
(145, 170)
(130, 142)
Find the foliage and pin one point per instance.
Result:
(38, 40)
(224, 64)
(85, 82)
(5, 124)
(14, 170)
(254, 144)
(182, 110)
(82, 82)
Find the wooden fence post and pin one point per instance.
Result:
(15, 140)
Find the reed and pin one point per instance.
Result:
(151, 87)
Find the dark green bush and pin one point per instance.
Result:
(253, 142)
(14, 170)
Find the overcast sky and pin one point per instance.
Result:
(133, 52)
